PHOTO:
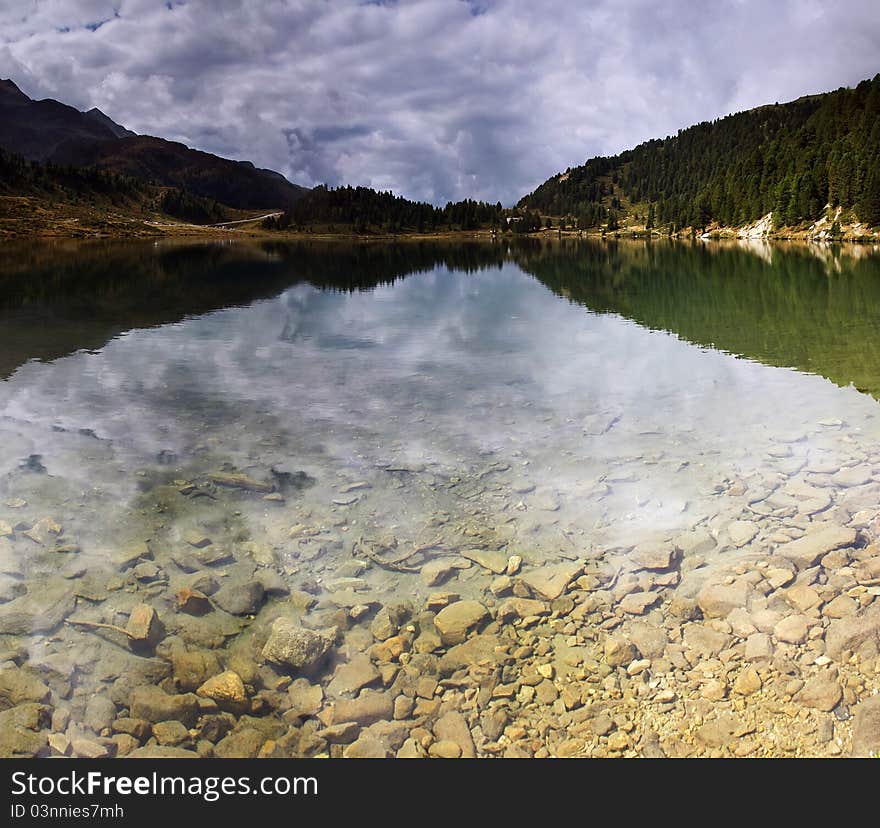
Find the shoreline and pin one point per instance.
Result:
(24, 218)
(168, 232)
(194, 234)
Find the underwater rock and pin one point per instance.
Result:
(22, 730)
(240, 481)
(455, 621)
(240, 598)
(155, 705)
(191, 669)
(40, 611)
(18, 685)
(293, 646)
(192, 602)
(144, 628)
(227, 690)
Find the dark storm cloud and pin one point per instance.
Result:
(435, 99)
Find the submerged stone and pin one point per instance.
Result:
(18, 685)
(39, 611)
(144, 627)
(240, 599)
(293, 646)
(455, 621)
(152, 704)
(550, 581)
(23, 731)
(806, 551)
(866, 729)
(493, 561)
(227, 690)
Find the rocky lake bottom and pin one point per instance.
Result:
(449, 515)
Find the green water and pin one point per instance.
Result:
(795, 306)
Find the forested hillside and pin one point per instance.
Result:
(88, 186)
(791, 159)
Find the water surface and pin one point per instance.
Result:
(555, 401)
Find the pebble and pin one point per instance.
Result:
(758, 647)
(694, 649)
(719, 600)
(520, 608)
(345, 500)
(155, 705)
(444, 749)
(854, 476)
(197, 539)
(747, 682)
(89, 749)
(452, 727)
(192, 602)
(18, 686)
(227, 690)
(240, 598)
(170, 733)
(366, 747)
(100, 713)
(59, 744)
(192, 668)
(841, 606)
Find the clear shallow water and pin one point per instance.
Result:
(554, 402)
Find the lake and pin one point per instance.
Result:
(527, 498)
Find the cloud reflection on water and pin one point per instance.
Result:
(443, 368)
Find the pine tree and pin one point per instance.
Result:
(868, 208)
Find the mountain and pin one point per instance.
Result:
(119, 131)
(789, 159)
(51, 132)
(38, 130)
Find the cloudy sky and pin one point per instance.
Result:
(434, 99)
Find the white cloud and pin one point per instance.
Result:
(435, 99)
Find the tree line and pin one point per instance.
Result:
(364, 210)
(19, 176)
